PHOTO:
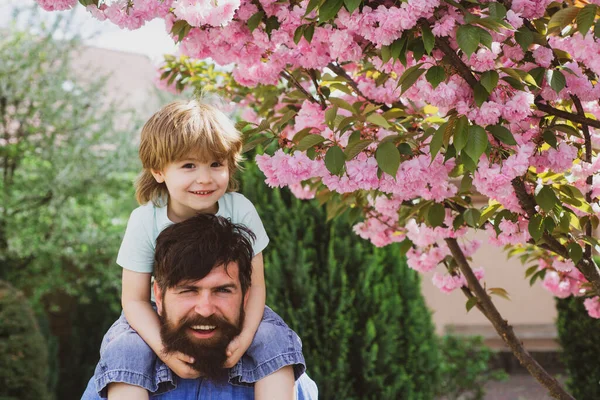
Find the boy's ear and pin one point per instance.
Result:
(158, 298)
(158, 175)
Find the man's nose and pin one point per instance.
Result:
(204, 305)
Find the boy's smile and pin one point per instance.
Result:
(194, 186)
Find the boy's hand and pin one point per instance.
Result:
(180, 364)
(236, 349)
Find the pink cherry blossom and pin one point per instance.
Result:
(56, 5)
(206, 12)
(592, 306)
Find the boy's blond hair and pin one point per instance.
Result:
(177, 130)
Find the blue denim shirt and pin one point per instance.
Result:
(203, 389)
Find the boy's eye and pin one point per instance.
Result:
(187, 165)
(216, 164)
(223, 290)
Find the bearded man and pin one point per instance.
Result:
(202, 274)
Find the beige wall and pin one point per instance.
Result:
(531, 310)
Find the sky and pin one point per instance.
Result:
(150, 40)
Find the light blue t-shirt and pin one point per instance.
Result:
(147, 222)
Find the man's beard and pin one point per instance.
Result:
(209, 354)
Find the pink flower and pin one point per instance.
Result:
(206, 12)
(448, 283)
(592, 306)
(543, 56)
(444, 26)
(57, 5)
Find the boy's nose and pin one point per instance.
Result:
(203, 176)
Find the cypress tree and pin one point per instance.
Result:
(23, 352)
(581, 348)
(366, 331)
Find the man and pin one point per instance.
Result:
(202, 274)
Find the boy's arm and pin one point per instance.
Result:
(141, 316)
(254, 309)
(280, 385)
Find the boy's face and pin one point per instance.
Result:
(194, 186)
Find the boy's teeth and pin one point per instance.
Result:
(203, 327)
(202, 192)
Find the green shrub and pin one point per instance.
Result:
(366, 331)
(577, 334)
(23, 353)
(465, 367)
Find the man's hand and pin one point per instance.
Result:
(236, 349)
(180, 364)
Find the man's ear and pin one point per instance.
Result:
(246, 298)
(158, 175)
(158, 298)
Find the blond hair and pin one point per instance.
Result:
(177, 130)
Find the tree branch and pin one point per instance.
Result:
(505, 331)
(581, 119)
(290, 78)
(463, 70)
(313, 77)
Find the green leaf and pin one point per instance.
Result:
(524, 38)
(388, 158)
(536, 227)
(563, 17)
(341, 103)
(330, 115)
(472, 302)
(255, 20)
(489, 80)
(309, 32)
(538, 75)
(477, 142)
(428, 38)
(597, 29)
(485, 38)
(460, 133)
(502, 134)
(386, 53)
(397, 46)
(472, 217)
(480, 94)
(550, 138)
(352, 5)
(405, 245)
(353, 149)
(437, 140)
(575, 252)
(497, 10)
(499, 292)
(309, 141)
(546, 198)
(378, 119)
(435, 75)
(409, 80)
(329, 9)
(312, 4)
(335, 160)
(467, 37)
(488, 212)
(404, 148)
(298, 33)
(407, 72)
(436, 214)
(557, 80)
(585, 18)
